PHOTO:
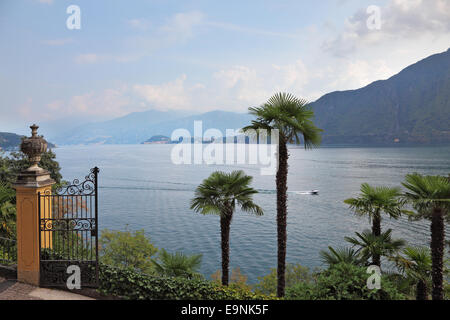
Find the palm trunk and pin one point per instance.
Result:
(437, 253)
(281, 181)
(421, 290)
(225, 222)
(376, 231)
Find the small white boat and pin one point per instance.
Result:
(315, 192)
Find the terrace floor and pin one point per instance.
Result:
(13, 290)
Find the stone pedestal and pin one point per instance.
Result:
(28, 186)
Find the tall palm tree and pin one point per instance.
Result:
(178, 264)
(430, 197)
(372, 202)
(415, 262)
(347, 255)
(291, 117)
(372, 246)
(219, 194)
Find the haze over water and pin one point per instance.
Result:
(141, 188)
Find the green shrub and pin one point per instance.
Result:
(133, 285)
(343, 282)
(127, 249)
(295, 273)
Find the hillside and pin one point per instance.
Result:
(9, 140)
(139, 126)
(412, 106)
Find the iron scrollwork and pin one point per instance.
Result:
(76, 224)
(85, 188)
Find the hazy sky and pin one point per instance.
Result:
(199, 55)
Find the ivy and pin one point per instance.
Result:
(129, 284)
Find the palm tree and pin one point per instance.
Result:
(372, 202)
(372, 246)
(347, 255)
(291, 117)
(430, 197)
(416, 264)
(219, 194)
(178, 264)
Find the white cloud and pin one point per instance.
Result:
(402, 21)
(172, 95)
(180, 27)
(45, 1)
(108, 103)
(139, 23)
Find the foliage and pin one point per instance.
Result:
(415, 264)
(221, 191)
(178, 264)
(346, 255)
(126, 249)
(295, 274)
(18, 161)
(287, 118)
(343, 282)
(219, 194)
(426, 193)
(290, 116)
(129, 284)
(8, 251)
(237, 279)
(374, 200)
(370, 245)
(7, 212)
(430, 197)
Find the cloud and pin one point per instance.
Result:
(234, 88)
(401, 20)
(112, 102)
(45, 1)
(139, 23)
(180, 27)
(171, 95)
(107, 103)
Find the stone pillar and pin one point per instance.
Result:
(29, 183)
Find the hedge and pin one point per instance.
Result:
(129, 284)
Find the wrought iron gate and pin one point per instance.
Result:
(68, 232)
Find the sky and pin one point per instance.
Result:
(200, 55)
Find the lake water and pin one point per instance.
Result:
(141, 188)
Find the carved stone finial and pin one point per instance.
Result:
(33, 147)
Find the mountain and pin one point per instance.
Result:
(412, 106)
(132, 128)
(9, 140)
(139, 126)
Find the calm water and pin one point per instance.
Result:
(141, 188)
